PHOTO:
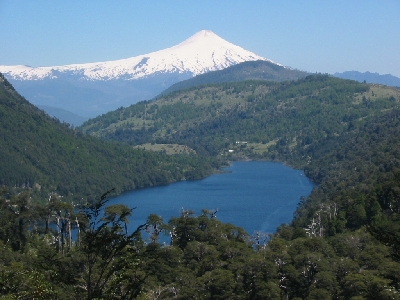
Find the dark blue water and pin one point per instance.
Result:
(257, 196)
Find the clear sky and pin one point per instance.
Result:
(316, 36)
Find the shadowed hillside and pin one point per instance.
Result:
(45, 155)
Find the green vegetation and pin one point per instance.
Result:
(168, 149)
(343, 242)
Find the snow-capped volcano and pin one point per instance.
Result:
(92, 89)
(203, 52)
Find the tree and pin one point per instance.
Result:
(154, 226)
(15, 218)
(105, 241)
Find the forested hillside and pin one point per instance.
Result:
(267, 118)
(46, 156)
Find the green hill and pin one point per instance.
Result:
(42, 154)
(271, 118)
(250, 70)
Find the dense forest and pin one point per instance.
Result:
(44, 155)
(344, 240)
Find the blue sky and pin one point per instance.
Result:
(316, 36)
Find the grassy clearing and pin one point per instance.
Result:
(169, 149)
(378, 91)
(258, 148)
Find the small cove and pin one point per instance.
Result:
(254, 195)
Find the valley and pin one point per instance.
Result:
(206, 150)
(343, 240)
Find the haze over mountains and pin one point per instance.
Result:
(369, 77)
(95, 88)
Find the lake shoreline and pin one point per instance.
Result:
(253, 194)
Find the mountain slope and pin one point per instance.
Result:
(40, 153)
(251, 70)
(369, 77)
(105, 86)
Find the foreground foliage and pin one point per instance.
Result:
(199, 257)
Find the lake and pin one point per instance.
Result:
(254, 195)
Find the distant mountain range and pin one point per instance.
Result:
(73, 93)
(369, 77)
(95, 88)
(63, 115)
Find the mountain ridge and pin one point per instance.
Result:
(250, 70)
